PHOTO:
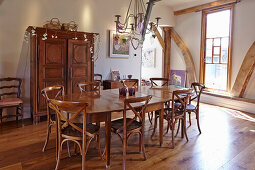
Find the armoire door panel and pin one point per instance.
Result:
(52, 65)
(80, 54)
(53, 52)
(79, 64)
(54, 72)
(79, 72)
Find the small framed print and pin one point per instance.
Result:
(119, 45)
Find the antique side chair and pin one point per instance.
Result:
(10, 97)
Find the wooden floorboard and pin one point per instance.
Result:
(227, 142)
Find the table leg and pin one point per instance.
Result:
(108, 139)
(161, 120)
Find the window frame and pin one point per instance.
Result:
(203, 42)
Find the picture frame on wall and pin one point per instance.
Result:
(149, 57)
(177, 78)
(119, 45)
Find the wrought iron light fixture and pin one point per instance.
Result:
(136, 21)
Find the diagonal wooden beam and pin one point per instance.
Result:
(205, 6)
(190, 66)
(244, 73)
(160, 39)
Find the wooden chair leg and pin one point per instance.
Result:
(173, 126)
(59, 155)
(178, 127)
(185, 129)
(22, 113)
(68, 149)
(142, 145)
(150, 116)
(47, 136)
(168, 127)
(17, 114)
(155, 125)
(198, 125)
(57, 140)
(124, 143)
(1, 116)
(99, 147)
(189, 118)
(182, 128)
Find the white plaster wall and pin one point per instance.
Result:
(157, 70)
(90, 15)
(188, 26)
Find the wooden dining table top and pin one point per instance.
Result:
(110, 100)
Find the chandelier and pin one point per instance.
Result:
(136, 21)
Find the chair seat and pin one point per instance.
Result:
(190, 107)
(117, 124)
(10, 102)
(168, 112)
(70, 131)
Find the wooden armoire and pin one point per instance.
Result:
(63, 58)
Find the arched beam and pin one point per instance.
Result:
(160, 39)
(190, 67)
(244, 73)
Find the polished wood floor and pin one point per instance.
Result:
(227, 142)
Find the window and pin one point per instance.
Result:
(215, 68)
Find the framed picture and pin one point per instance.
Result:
(115, 75)
(119, 45)
(177, 77)
(149, 57)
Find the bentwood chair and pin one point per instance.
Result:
(98, 77)
(155, 83)
(198, 89)
(130, 82)
(177, 112)
(90, 86)
(10, 97)
(70, 130)
(128, 126)
(51, 92)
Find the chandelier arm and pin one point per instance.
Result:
(127, 15)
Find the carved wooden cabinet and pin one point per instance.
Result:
(64, 58)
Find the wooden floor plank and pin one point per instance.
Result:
(17, 166)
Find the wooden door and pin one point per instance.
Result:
(80, 64)
(52, 66)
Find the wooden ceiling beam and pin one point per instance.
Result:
(205, 6)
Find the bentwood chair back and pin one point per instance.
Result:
(130, 82)
(10, 90)
(93, 86)
(70, 130)
(128, 126)
(98, 77)
(156, 82)
(198, 89)
(163, 81)
(51, 92)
